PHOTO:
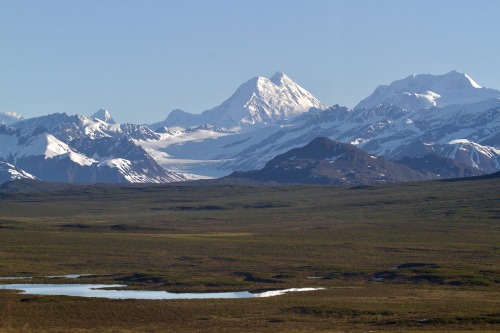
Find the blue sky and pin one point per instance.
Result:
(141, 59)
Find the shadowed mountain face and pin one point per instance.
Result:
(443, 167)
(10, 172)
(324, 161)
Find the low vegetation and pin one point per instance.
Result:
(392, 258)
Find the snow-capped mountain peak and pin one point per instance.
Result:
(425, 91)
(104, 115)
(257, 102)
(279, 79)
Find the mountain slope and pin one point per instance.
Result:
(385, 131)
(444, 167)
(257, 102)
(323, 161)
(134, 164)
(19, 145)
(46, 157)
(425, 91)
(10, 172)
(469, 154)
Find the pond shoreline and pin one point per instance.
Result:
(104, 291)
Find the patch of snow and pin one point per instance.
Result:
(358, 141)
(452, 142)
(281, 292)
(472, 82)
(119, 163)
(44, 144)
(11, 172)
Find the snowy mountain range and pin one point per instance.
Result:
(449, 116)
(39, 152)
(388, 131)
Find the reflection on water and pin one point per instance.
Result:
(95, 290)
(69, 276)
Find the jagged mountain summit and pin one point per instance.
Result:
(68, 127)
(425, 91)
(104, 115)
(258, 102)
(104, 160)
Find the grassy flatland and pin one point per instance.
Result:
(396, 258)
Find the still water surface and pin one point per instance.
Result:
(95, 290)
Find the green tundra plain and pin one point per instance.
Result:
(412, 257)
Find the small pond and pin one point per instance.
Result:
(96, 290)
